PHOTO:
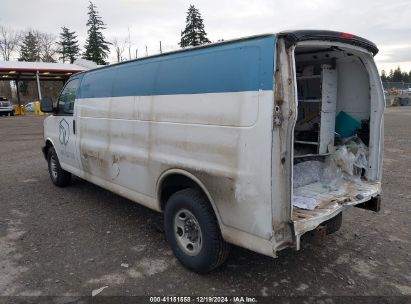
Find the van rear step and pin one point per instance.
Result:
(331, 203)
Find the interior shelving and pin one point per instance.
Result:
(317, 97)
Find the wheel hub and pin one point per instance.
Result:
(191, 230)
(187, 232)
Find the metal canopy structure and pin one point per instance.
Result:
(37, 71)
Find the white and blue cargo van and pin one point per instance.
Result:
(252, 142)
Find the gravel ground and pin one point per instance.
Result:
(71, 241)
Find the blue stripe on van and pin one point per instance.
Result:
(233, 67)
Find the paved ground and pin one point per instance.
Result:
(74, 240)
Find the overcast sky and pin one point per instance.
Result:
(386, 23)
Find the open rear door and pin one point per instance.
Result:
(328, 61)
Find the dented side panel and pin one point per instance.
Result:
(233, 162)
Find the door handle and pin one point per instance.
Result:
(74, 126)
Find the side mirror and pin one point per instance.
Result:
(46, 105)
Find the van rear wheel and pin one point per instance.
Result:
(192, 231)
(58, 176)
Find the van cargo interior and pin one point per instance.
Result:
(332, 131)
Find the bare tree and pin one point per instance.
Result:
(48, 46)
(9, 42)
(119, 48)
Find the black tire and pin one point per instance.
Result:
(214, 250)
(58, 176)
(11, 113)
(333, 224)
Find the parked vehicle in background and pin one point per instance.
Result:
(229, 140)
(29, 107)
(6, 108)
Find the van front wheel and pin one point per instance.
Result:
(58, 176)
(192, 231)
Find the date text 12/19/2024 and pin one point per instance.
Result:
(203, 299)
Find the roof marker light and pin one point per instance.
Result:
(346, 35)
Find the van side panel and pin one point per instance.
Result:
(207, 111)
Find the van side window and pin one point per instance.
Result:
(67, 98)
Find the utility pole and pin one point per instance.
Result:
(161, 51)
(146, 50)
(136, 53)
(18, 92)
(38, 84)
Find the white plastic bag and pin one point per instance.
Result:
(346, 163)
(304, 202)
(360, 150)
(307, 172)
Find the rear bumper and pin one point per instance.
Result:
(374, 204)
(3, 111)
(364, 195)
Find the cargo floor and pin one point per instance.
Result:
(331, 201)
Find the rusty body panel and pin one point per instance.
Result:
(222, 158)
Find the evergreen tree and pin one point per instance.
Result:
(97, 48)
(406, 77)
(397, 75)
(390, 75)
(194, 33)
(68, 45)
(30, 48)
(383, 76)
